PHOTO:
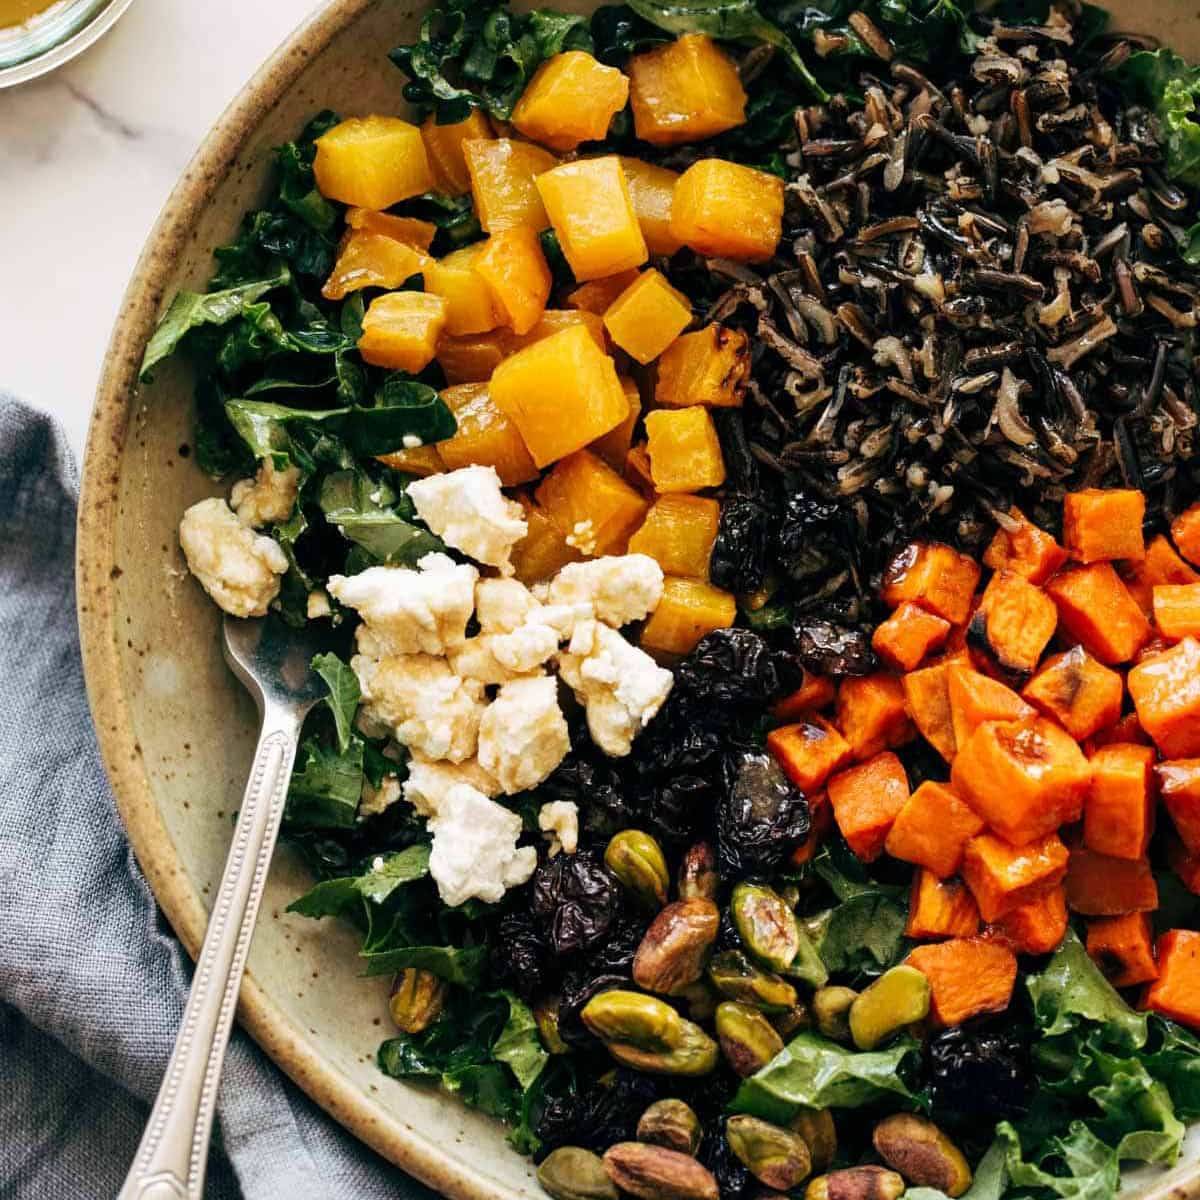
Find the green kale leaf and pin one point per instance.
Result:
(337, 897)
(1171, 87)
(324, 792)
(343, 698)
(371, 515)
(463, 965)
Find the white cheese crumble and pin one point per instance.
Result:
(240, 569)
(428, 782)
(502, 605)
(410, 441)
(375, 799)
(559, 820)
(582, 537)
(474, 853)
(523, 734)
(317, 605)
(269, 497)
(468, 511)
(620, 588)
(474, 660)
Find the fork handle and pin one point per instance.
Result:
(173, 1154)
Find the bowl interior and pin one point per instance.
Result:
(175, 728)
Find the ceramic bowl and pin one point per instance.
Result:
(175, 729)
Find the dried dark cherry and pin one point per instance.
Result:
(576, 899)
(760, 816)
(980, 1071)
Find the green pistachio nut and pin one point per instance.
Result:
(896, 999)
(673, 1124)
(637, 860)
(674, 948)
(658, 1173)
(417, 999)
(770, 932)
(747, 1038)
(701, 1000)
(831, 1011)
(737, 978)
(698, 878)
(816, 1127)
(571, 1173)
(916, 1148)
(647, 1034)
(545, 1013)
(856, 1183)
(775, 1156)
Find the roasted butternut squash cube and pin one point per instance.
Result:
(1099, 885)
(710, 367)
(596, 296)
(678, 533)
(593, 506)
(685, 451)
(469, 304)
(443, 146)
(614, 446)
(485, 437)
(374, 260)
(400, 330)
(932, 829)
(940, 908)
(724, 208)
(1015, 619)
(1024, 778)
(1118, 817)
(651, 188)
(543, 551)
(571, 98)
(409, 230)
(1185, 533)
(514, 268)
(1165, 690)
(936, 577)
(866, 800)
(1003, 877)
(561, 392)
(1175, 994)
(968, 977)
(685, 91)
(1179, 781)
(1160, 565)
(502, 175)
(647, 316)
(1082, 695)
(421, 461)
(1023, 548)
(589, 206)
(1095, 608)
(689, 610)
(908, 635)
(1038, 926)
(1104, 523)
(372, 162)
(809, 751)
(872, 715)
(1123, 949)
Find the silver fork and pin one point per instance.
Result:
(273, 662)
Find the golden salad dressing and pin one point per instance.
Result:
(17, 12)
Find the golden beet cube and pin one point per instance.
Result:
(689, 610)
(561, 393)
(502, 182)
(652, 188)
(723, 208)
(685, 452)
(648, 316)
(570, 99)
(543, 551)
(678, 533)
(514, 268)
(596, 296)
(593, 506)
(473, 358)
(613, 447)
(400, 330)
(589, 207)
(485, 436)
(443, 146)
(552, 321)
(372, 162)
(709, 367)
(685, 91)
(421, 461)
(470, 307)
(372, 260)
(409, 230)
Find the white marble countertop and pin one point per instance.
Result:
(88, 155)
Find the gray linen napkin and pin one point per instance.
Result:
(92, 981)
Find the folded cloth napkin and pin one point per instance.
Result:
(92, 982)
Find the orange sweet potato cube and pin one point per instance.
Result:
(1024, 778)
(1165, 690)
(652, 188)
(685, 450)
(1101, 886)
(1123, 948)
(710, 367)
(932, 829)
(571, 98)
(1185, 864)
(1038, 926)
(724, 208)
(593, 506)
(1185, 533)
(1160, 565)
(866, 800)
(400, 330)
(940, 908)
(689, 610)
(1021, 547)
(1177, 609)
(820, 826)
(976, 698)
(809, 752)
(443, 145)
(502, 175)
(814, 693)
(1127, 729)
(908, 635)
(1118, 816)
(872, 715)
(1083, 696)
(1104, 523)
(927, 697)
(967, 978)
(1176, 991)
(1003, 877)
(1095, 608)
(936, 577)
(1015, 619)
(1179, 782)
(647, 316)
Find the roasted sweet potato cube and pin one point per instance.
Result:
(1185, 864)
(647, 316)
(932, 829)
(1095, 608)
(940, 908)
(678, 533)
(593, 506)
(967, 978)
(1123, 948)
(820, 826)
(443, 145)
(470, 308)
(1003, 877)
(936, 577)
(927, 697)
(908, 635)
(1021, 547)
(485, 436)
(652, 188)
(1179, 782)
(571, 98)
(1160, 565)
(1078, 692)
(1016, 620)
(1176, 992)
(872, 715)
(1127, 729)
(1185, 533)
(1165, 690)
(1104, 523)
(544, 549)
(502, 175)
(1118, 816)
(1038, 926)
(809, 752)
(372, 162)
(596, 296)
(866, 800)
(689, 610)
(724, 208)
(1024, 778)
(368, 259)
(814, 693)
(1101, 886)
(400, 330)
(710, 367)
(976, 698)
(685, 451)
(1177, 609)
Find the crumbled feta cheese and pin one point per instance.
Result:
(474, 660)
(410, 612)
(621, 686)
(410, 441)
(318, 605)
(620, 588)
(560, 820)
(269, 497)
(468, 511)
(582, 537)
(425, 706)
(375, 799)
(474, 853)
(502, 605)
(564, 617)
(428, 782)
(527, 648)
(240, 569)
(523, 734)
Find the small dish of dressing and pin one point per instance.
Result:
(38, 35)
